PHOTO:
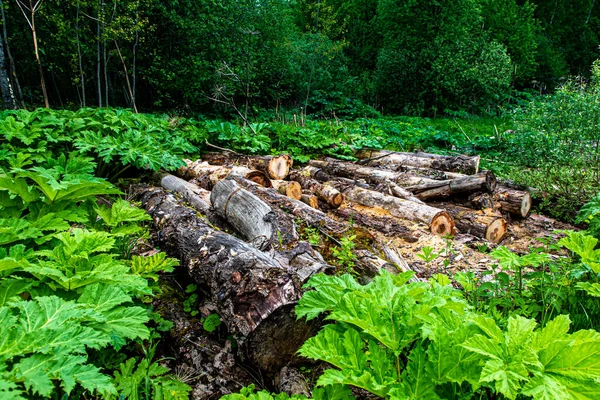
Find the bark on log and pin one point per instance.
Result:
(464, 164)
(310, 199)
(254, 295)
(484, 224)
(324, 191)
(197, 197)
(202, 170)
(287, 188)
(394, 189)
(308, 214)
(257, 222)
(429, 189)
(370, 265)
(438, 221)
(276, 167)
(344, 169)
(385, 225)
(515, 202)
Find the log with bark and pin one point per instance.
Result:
(324, 191)
(516, 202)
(463, 164)
(484, 224)
(310, 199)
(276, 167)
(254, 295)
(428, 189)
(375, 220)
(197, 197)
(208, 175)
(257, 222)
(288, 188)
(438, 221)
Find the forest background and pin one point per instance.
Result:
(354, 58)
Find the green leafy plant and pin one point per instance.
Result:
(190, 303)
(422, 340)
(427, 254)
(344, 254)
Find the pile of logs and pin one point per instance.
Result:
(254, 274)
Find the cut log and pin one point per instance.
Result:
(464, 164)
(251, 217)
(484, 224)
(287, 188)
(370, 265)
(308, 214)
(344, 169)
(430, 189)
(515, 202)
(395, 190)
(316, 173)
(324, 191)
(438, 221)
(376, 220)
(254, 295)
(197, 197)
(310, 199)
(214, 173)
(482, 201)
(276, 167)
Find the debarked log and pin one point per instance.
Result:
(254, 295)
(438, 221)
(463, 164)
(197, 197)
(484, 224)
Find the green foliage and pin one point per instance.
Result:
(211, 323)
(332, 392)
(420, 340)
(344, 254)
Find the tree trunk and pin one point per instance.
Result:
(311, 200)
(438, 221)
(290, 189)
(375, 218)
(99, 55)
(208, 175)
(254, 295)
(515, 202)
(256, 221)
(37, 57)
(429, 189)
(297, 208)
(324, 191)
(79, 58)
(336, 167)
(463, 164)
(8, 97)
(12, 70)
(395, 190)
(197, 197)
(483, 224)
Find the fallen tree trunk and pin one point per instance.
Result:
(308, 214)
(383, 224)
(197, 197)
(438, 221)
(324, 191)
(276, 167)
(288, 188)
(257, 222)
(201, 170)
(464, 164)
(429, 189)
(515, 202)
(485, 225)
(254, 295)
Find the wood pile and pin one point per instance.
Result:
(237, 224)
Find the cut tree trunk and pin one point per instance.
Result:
(197, 197)
(208, 175)
(484, 224)
(310, 199)
(254, 295)
(276, 167)
(290, 189)
(515, 202)
(256, 221)
(463, 164)
(345, 169)
(429, 189)
(395, 190)
(324, 191)
(377, 219)
(438, 221)
(297, 208)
